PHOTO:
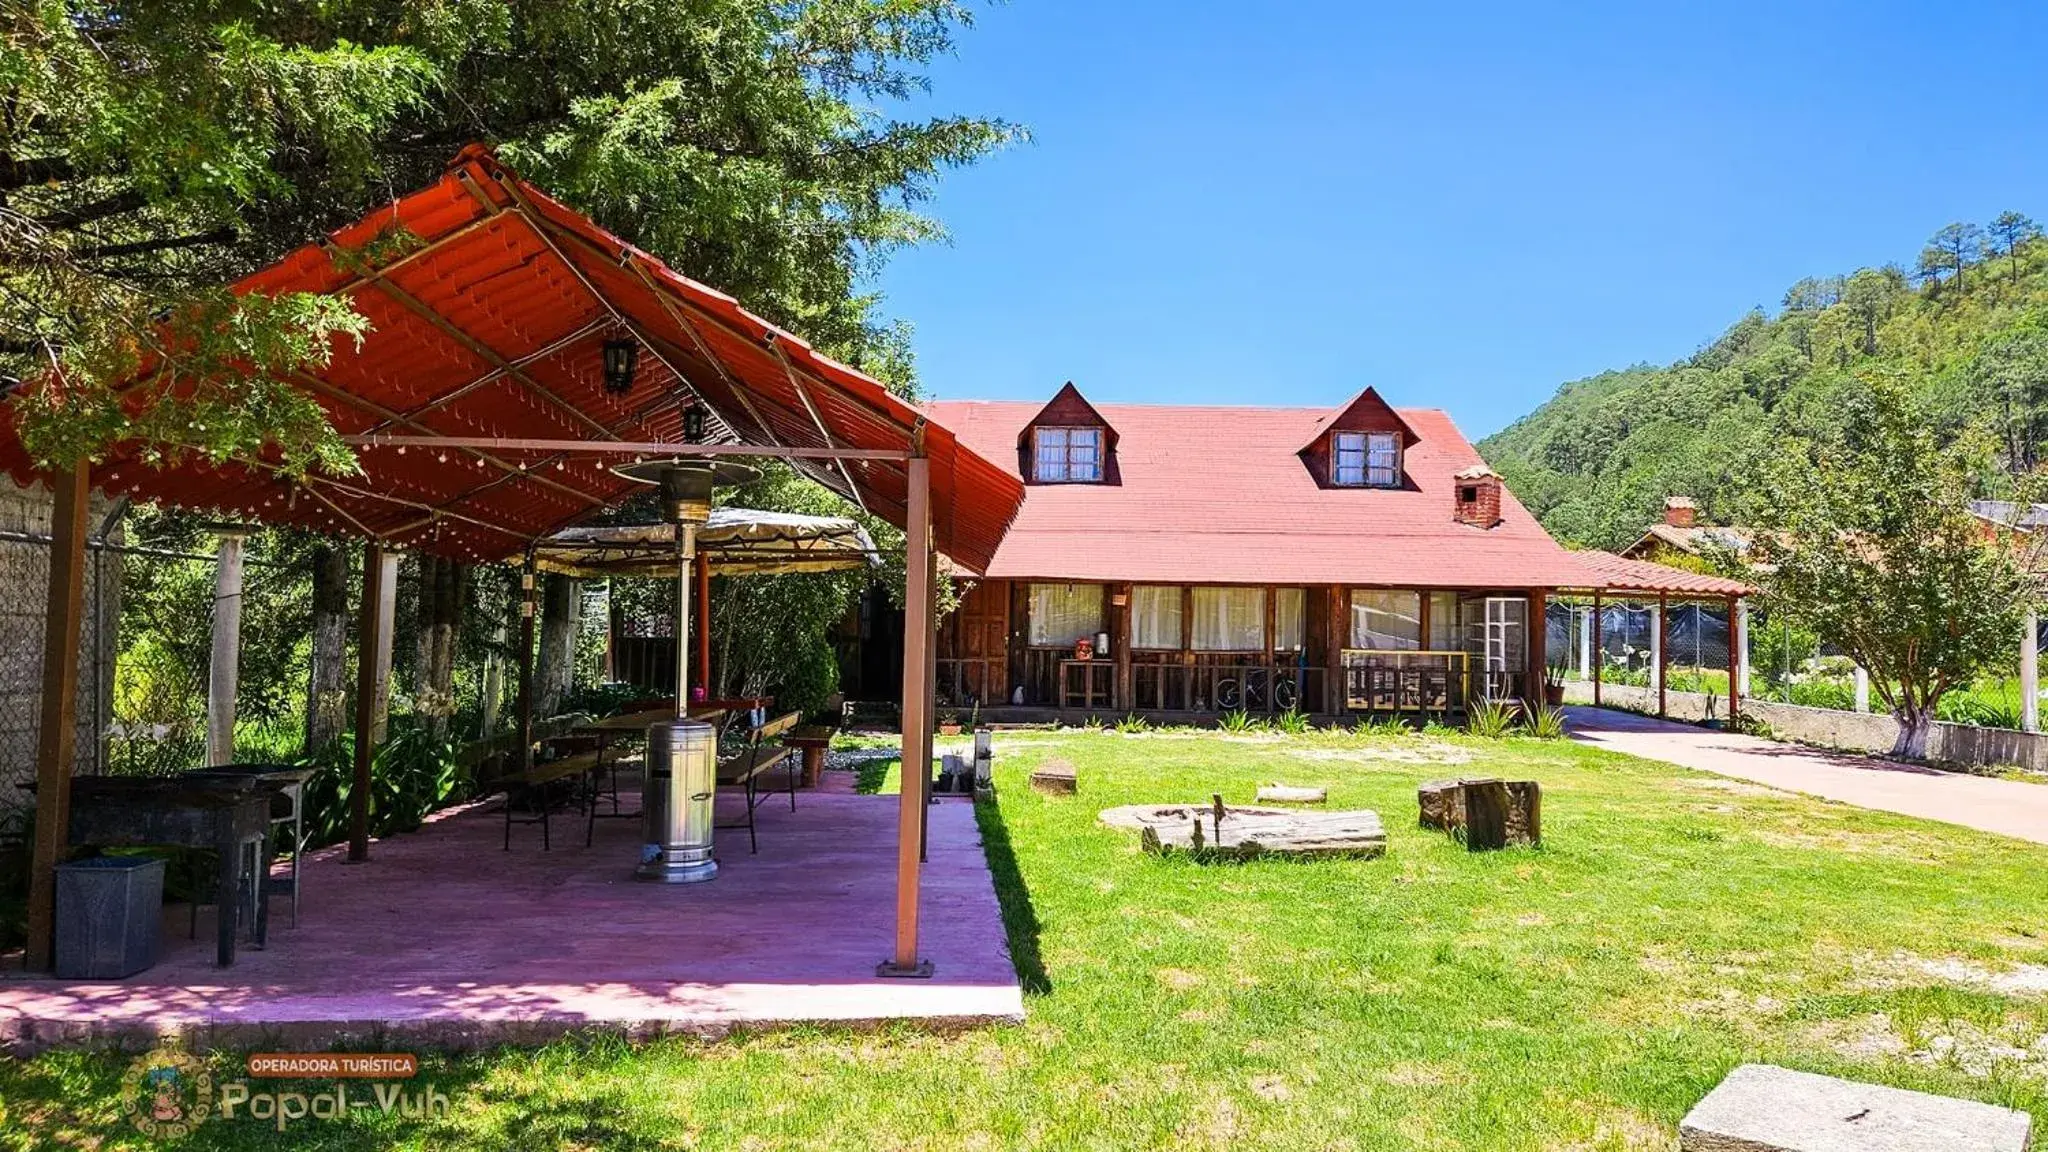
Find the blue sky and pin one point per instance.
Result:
(1464, 205)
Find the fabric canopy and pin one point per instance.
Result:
(736, 542)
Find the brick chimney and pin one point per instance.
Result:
(1477, 496)
(1680, 511)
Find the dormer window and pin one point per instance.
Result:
(1066, 455)
(1367, 460)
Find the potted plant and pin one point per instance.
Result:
(949, 723)
(1553, 686)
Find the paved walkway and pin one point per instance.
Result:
(2007, 807)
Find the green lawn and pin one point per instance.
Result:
(1578, 996)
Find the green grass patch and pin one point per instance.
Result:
(1581, 995)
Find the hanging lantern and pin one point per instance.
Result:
(621, 357)
(693, 424)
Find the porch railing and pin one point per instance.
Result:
(969, 680)
(1224, 682)
(1381, 680)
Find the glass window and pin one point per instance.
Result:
(1229, 619)
(1444, 634)
(1063, 613)
(1382, 460)
(1290, 618)
(1155, 618)
(1386, 619)
(1349, 465)
(1067, 454)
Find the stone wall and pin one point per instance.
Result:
(1829, 728)
(24, 602)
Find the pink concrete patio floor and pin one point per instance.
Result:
(443, 938)
(2007, 807)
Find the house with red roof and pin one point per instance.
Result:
(1189, 558)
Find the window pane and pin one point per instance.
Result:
(1386, 619)
(1383, 460)
(1229, 619)
(1290, 618)
(1155, 618)
(1350, 464)
(1443, 623)
(1084, 454)
(1052, 454)
(1063, 613)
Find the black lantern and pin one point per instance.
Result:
(693, 424)
(620, 358)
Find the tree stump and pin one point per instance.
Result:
(1484, 813)
(1245, 835)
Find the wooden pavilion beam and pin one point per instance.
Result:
(369, 642)
(917, 723)
(1735, 641)
(626, 447)
(57, 735)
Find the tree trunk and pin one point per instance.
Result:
(1915, 724)
(326, 687)
(442, 583)
(555, 666)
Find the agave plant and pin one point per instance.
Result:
(1294, 722)
(1381, 727)
(1132, 722)
(1493, 719)
(1547, 723)
(1237, 720)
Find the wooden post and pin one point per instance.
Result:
(704, 624)
(1187, 650)
(370, 642)
(1126, 697)
(1539, 648)
(1599, 652)
(223, 669)
(57, 731)
(917, 715)
(526, 606)
(1735, 641)
(1661, 639)
(1336, 634)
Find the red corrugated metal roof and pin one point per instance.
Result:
(1611, 573)
(510, 276)
(1221, 495)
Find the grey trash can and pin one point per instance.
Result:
(109, 913)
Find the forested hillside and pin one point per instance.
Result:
(1967, 325)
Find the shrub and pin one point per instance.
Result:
(1237, 720)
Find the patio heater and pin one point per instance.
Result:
(682, 754)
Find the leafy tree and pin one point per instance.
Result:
(2010, 378)
(1866, 537)
(150, 152)
(2008, 234)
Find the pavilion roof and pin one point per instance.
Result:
(1609, 573)
(488, 325)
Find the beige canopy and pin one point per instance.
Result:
(736, 541)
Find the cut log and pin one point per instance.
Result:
(1289, 794)
(1056, 778)
(1485, 813)
(1244, 836)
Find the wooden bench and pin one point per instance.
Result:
(813, 740)
(764, 753)
(532, 783)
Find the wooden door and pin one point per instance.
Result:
(983, 635)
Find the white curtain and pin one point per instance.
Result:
(1063, 613)
(1386, 619)
(1290, 618)
(1155, 618)
(1052, 454)
(1229, 619)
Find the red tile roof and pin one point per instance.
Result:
(1213, 495)
(1612, 573)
